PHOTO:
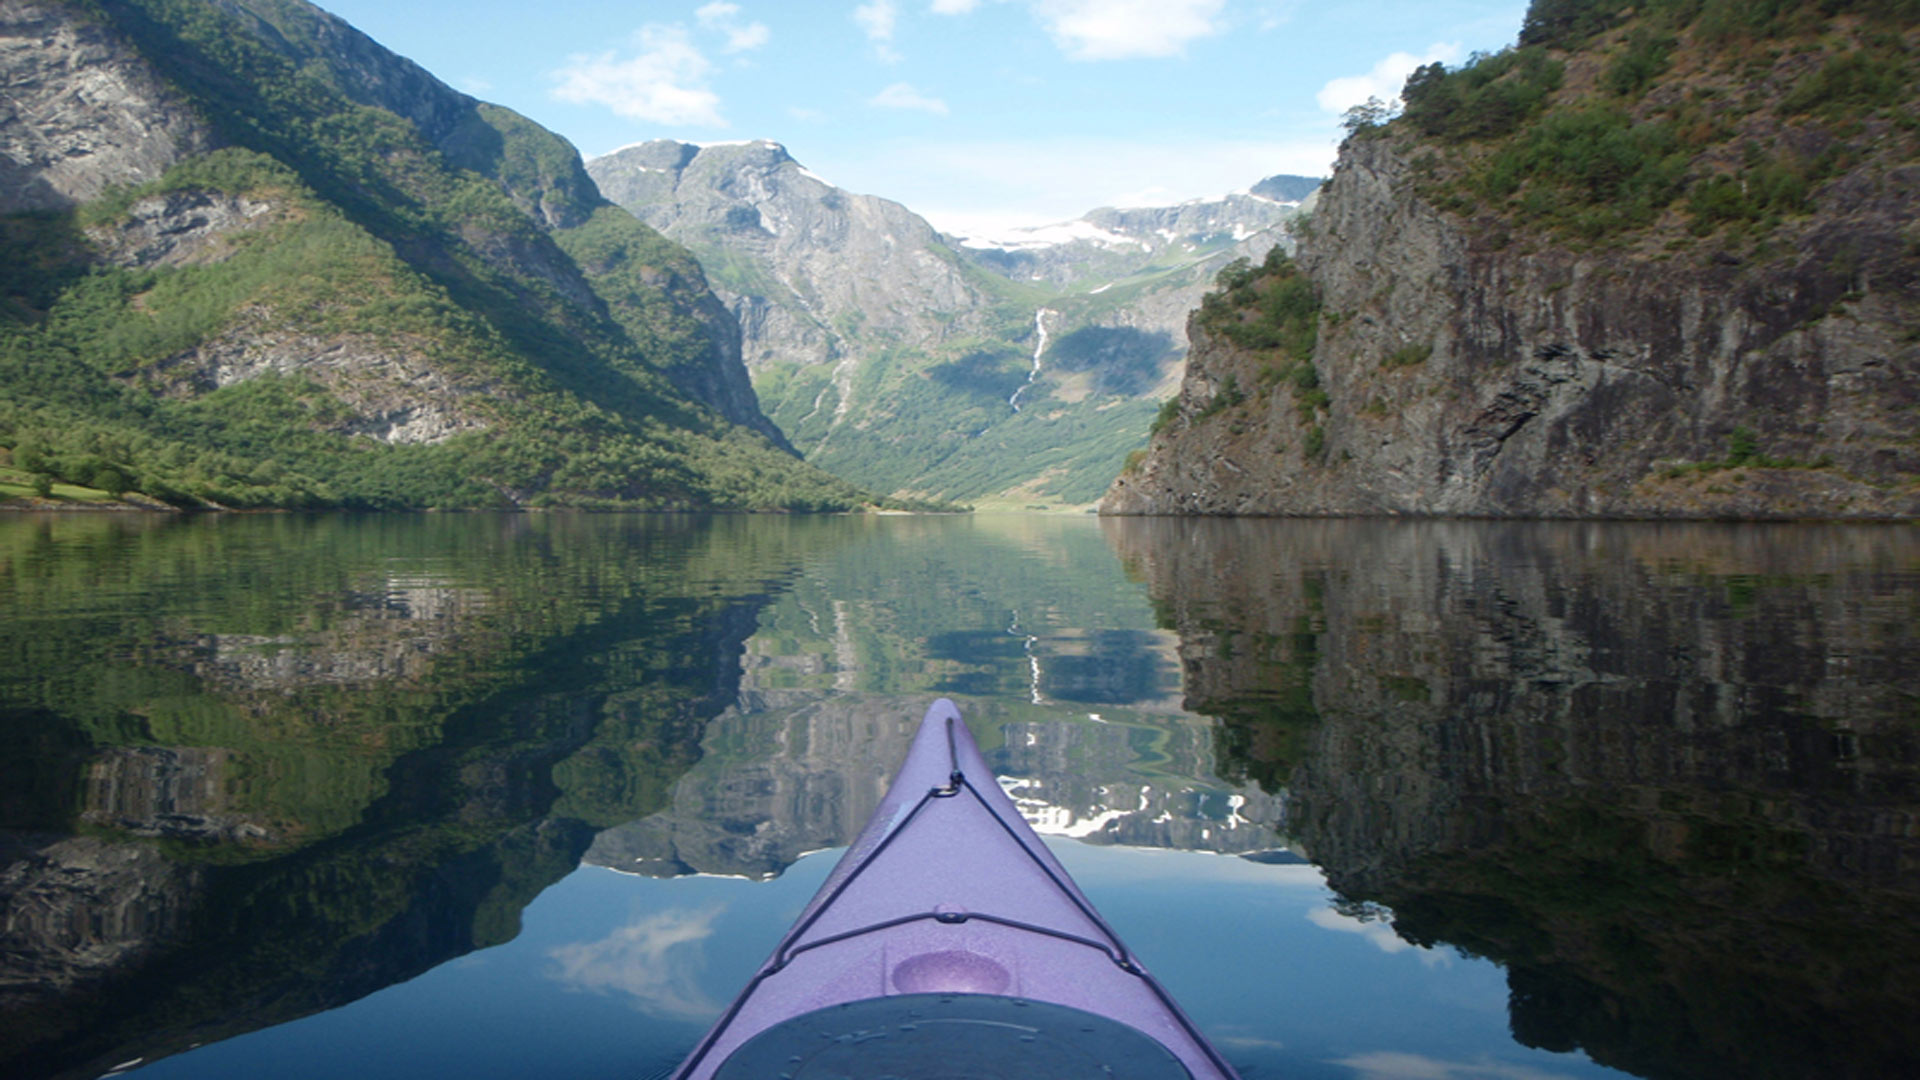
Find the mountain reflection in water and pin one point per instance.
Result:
(1668, 775)
(319, 786)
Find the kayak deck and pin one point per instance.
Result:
(949, 924)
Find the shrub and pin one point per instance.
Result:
(1644, 59)
(1272, 307)
(1855, 81)
(110, 480)
(1490, 95)
(1408, 356)
(1743, 445)
(1169, 412)
(1590, 170)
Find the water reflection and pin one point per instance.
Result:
(322, 787)
(1056, 662)
(1668, 775)
(267, 772)
(261, 767)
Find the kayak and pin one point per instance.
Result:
(949, 943)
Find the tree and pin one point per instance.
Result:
(29, 456)
(110, 480)
(43, 485)
(1366, 116)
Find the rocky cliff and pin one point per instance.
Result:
(1018, 367)
(1691, 296)
(223, 214)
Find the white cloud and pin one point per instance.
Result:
(877, 20)
(952, 7)
(1124, 29)
(1385, 81)
(654, 960)
(725, 18)
(665, 83)
(903, 96)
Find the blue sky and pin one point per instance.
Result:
(975, 113)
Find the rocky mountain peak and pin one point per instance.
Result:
(1027, 362)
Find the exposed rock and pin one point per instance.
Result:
(817, 259)
(81, 111)
(395, 392)
(179, 228)
(1549, 382)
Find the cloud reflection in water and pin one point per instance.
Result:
(656, 960)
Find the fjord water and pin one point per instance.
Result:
(532, 795)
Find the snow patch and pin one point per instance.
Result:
(1030, 238)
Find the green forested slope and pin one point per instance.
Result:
(1693, 119)
(406, 311)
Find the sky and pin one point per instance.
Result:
(977, 114)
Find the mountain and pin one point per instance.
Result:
(248, 257)
(1018, 368)
(1655, 261)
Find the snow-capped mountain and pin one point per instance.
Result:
(1020, 366)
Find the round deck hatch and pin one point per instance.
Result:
(947, 1036)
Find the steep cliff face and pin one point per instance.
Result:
(84, 111)
(1507, 329)
(1018, 367)
(222, 214)
(803, 262)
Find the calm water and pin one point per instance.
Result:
(531, 796)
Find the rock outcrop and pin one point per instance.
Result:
(1480, 362)
(84, 111)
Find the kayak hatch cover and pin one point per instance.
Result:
(949, 943)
